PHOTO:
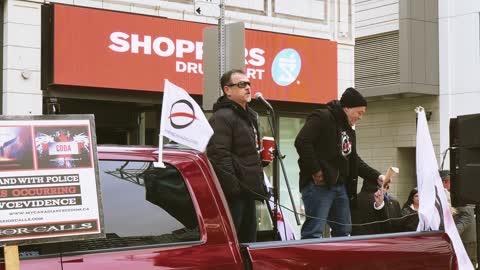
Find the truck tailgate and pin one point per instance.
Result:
(426, 250)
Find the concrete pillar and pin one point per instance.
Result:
(21, 93)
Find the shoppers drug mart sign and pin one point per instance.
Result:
(107, 49)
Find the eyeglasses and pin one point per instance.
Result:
(241, 84)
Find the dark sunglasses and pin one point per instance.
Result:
(241, 84)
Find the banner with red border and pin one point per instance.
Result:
(49, 184)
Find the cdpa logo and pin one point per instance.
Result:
(286, 67)
(182, 114)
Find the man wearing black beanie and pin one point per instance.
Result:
(351, 98)
(329, 165)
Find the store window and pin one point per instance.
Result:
(263, 210)
(289, 128)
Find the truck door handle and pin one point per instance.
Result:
(77, 260)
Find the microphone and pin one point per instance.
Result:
(259, 97)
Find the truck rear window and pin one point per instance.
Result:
(140, 200)
(142, 206)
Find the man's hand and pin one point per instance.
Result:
(318, 178)
(380, 179)
(379, 196)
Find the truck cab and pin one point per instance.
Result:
(177, 218)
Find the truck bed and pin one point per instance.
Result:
(411, 250)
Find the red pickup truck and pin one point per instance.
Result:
(177, 218)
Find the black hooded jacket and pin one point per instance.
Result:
(327, 142)
(233, 150)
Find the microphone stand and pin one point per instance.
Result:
(279, 158)
(477, 231)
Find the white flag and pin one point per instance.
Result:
(183, 120)
(434, 209)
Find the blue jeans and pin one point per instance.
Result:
(244, 215)
(325, 203)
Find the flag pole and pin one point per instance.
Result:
(160, 163)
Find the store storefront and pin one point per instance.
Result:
(114, 64)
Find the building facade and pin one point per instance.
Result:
(408, 54)
(459, 47)
(396, 68)
(22, 92)
(459, 35)
(415, 53)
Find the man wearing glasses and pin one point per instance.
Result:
(233, 151)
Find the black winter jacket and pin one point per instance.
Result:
(410, 218)
(233, 151)
(366, 213)
(327, 142)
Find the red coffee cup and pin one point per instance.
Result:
(268, 149)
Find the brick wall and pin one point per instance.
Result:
(386, 137)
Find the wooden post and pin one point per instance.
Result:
(12, 259)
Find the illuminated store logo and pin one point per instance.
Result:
(286, 67)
